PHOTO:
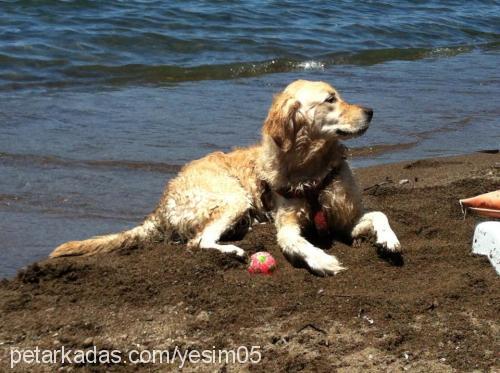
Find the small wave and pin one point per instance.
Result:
(376, 56)
(61, 74)
(31, 160)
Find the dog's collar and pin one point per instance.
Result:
(310, 192)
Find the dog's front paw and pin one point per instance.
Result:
(322, 264)
(388, 241)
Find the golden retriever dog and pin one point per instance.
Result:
(298, 175)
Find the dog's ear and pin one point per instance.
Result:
(283, 121)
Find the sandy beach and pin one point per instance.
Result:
(434, 309)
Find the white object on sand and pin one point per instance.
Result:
(487, 242)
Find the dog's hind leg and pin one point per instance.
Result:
(375, 224)
(222, 222)
(209, 237)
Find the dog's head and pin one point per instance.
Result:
(314, 109)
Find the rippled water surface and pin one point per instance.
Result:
(56, 43)
(100, 102)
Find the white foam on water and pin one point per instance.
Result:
(311, 65)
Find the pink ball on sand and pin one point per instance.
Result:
(262, 262)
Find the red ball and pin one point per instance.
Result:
(262, 262)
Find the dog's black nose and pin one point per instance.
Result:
(368, 113)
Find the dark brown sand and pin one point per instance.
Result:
(437, 309)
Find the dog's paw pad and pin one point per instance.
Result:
(357, 242)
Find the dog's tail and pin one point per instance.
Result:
(149, 230)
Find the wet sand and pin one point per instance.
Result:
(434, 309)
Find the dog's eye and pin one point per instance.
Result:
(331, 99)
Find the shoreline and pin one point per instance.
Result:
(438, 310)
